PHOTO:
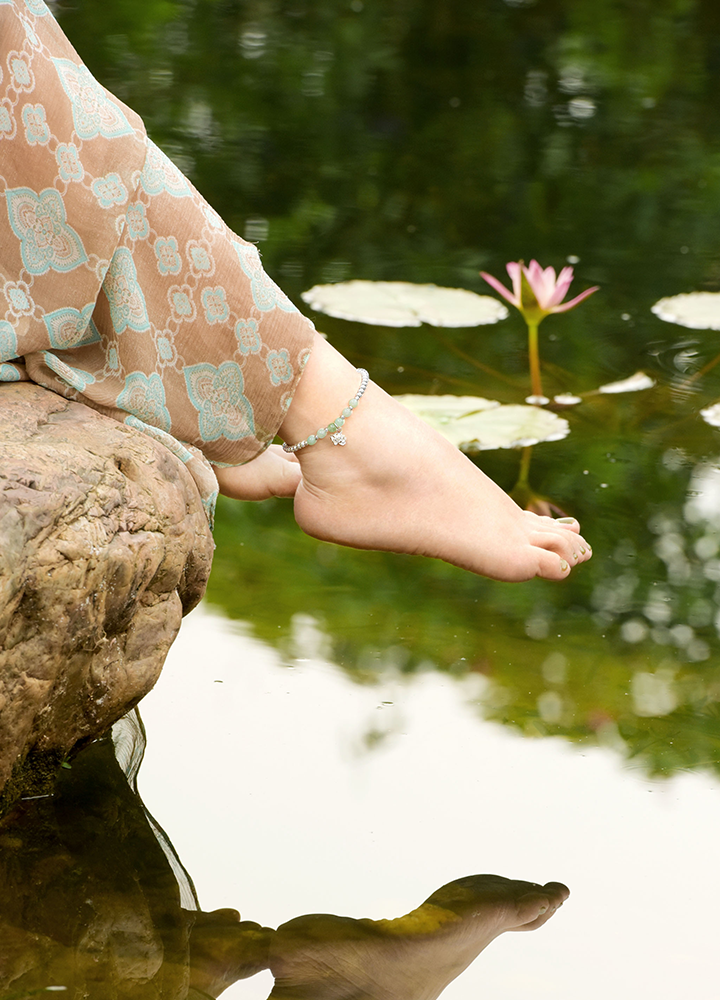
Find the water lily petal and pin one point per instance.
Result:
(550, 282)
(563, 283)
(515, 271)
(534, 277)
(402, 303)
(511, 297)
(573, 302)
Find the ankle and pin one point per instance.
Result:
(328, 383)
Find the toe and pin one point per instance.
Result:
(569, 523)
(544, 522)
(222, 916)
(557, 891)
(552, 565)
(568, 545)
(581, 549)
(535, 908)
(565, 523)
(531, 907)
(561, 535)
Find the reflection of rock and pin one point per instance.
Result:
(103, 546)
(90, 901)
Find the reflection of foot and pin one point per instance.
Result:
(398, 485)
(224, 948)
(323, 957)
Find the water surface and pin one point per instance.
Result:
(568, 732)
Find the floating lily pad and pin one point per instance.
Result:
(695, 310)
(441, 410)
(488, 425)
(711, 415)
(635, 383)
(400, 303)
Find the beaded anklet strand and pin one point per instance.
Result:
(334, 429)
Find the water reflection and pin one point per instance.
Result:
(346, 797)
(90, 898)
(96, 904)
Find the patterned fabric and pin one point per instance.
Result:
(119, 286)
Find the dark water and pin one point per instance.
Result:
(422, 141)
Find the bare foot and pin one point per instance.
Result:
(271, 474)
(324, 957)
(399, 486)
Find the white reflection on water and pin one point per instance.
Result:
(261, 775)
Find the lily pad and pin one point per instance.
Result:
(401, 303)
(695, 310)
(635, 383)
(441, 410)
(489, 424)
(711, 415)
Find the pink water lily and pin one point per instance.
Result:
(537, 292)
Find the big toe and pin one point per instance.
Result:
(535, 907)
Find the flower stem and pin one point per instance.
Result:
(521, 492)
(524, 467)
(534, 359)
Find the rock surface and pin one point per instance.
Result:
(104, 545)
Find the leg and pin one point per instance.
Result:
(398, 485)
(323, 957)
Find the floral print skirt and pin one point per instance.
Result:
(120, 287)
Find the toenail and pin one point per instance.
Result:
(564, 566)
(582, 550)
(566, 520)
(575, 556)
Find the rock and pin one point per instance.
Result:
(104, 545)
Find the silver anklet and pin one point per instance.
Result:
(334, 428)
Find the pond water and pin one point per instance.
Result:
(342, 731)
(287, 788)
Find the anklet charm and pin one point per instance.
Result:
(334, 428)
